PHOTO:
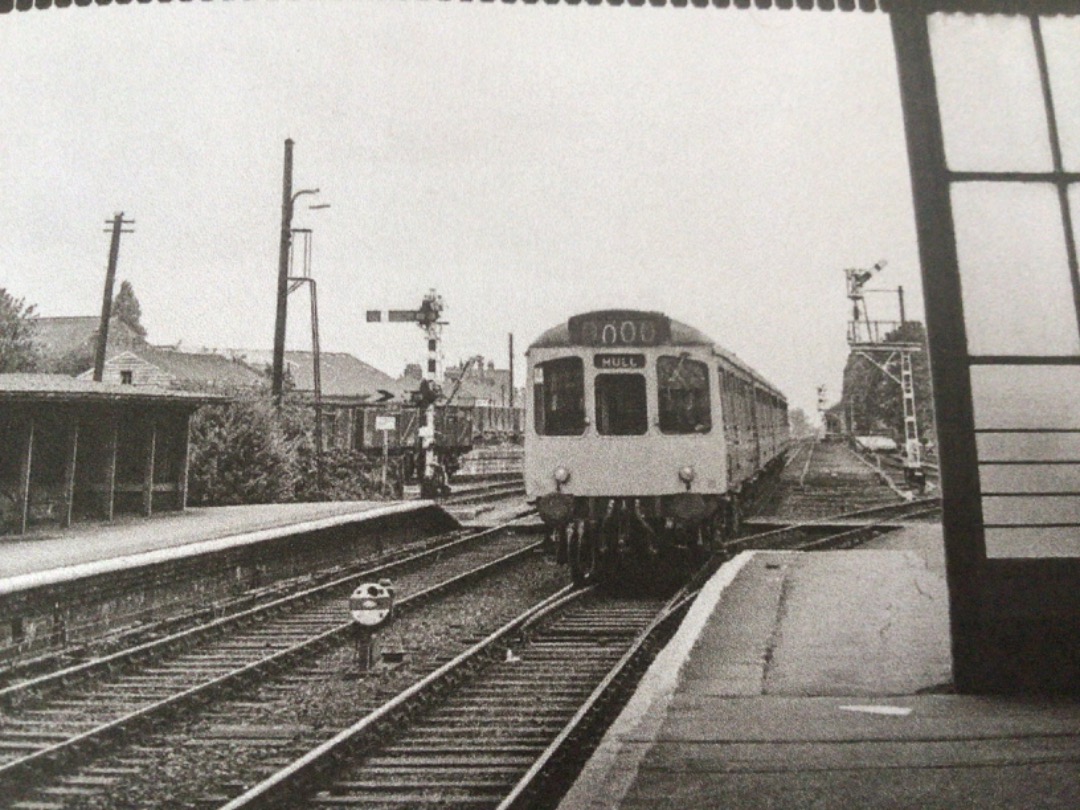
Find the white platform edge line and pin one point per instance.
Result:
(601, 786)
(54, 576)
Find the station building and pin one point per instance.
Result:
(82, 450)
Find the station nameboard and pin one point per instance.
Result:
(620, 328)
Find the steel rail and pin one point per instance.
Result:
(282, 786)
(525, 790)
(495, 491)
(916, 508)
(853, 536)
(52, 758)
(538, 774)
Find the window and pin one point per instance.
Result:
(621, 405)
(559, 397)
(684, 395)
(127, 377)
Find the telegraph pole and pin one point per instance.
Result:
(118, 223)
(277, 383)
(511, 336)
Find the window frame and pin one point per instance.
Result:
(541, 412)
(601, 379)
(708, 404)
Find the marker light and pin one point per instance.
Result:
(561, 475)
(686, 474)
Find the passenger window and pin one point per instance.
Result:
(684, 395)
(621, 405)
(559, 397)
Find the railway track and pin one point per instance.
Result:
(486, 492)
(502, 725)
(509, 723)
(827, 478)
(53, 724)
(830, 532)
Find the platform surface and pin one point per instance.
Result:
(128, 537)
(822, 680)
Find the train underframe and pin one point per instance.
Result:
(636, 542)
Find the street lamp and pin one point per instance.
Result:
(288, 201)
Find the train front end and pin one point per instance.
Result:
(624, 441)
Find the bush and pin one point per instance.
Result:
(248, 451)
(239, 454)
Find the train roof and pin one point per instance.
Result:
(681, 335)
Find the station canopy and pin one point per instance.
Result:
(1043, 7)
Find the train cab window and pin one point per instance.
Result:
(559, 397)
(683, 387)
(622, 408)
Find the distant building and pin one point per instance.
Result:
(481, 384)
(68, 343)
(167, 368)
(498, 409)
(343, 377)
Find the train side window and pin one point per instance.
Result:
(622, 407)
(559, 397)
(683, 387)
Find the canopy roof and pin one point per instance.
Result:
(61, 388)
(971, 6)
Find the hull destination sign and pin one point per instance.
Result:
(619, 362)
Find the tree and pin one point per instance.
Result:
(874, 400)
(18, 351)
(800, 424)
(126, 308)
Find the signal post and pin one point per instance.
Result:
(868, 338)
(428, 317)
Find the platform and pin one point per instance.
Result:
(822, 680)
(87, 549)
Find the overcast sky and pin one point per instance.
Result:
(528, 162)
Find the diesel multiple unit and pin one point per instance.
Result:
(641, 438)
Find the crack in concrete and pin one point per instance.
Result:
(775, 635)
